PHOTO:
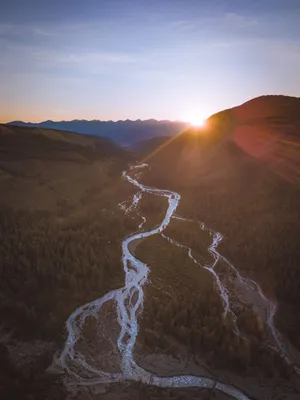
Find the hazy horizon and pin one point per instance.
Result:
(96, 119)
(130, 119)
(118, 60)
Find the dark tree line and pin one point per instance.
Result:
(49, 266)
(48, 269)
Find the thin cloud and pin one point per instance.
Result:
(6, 29)
(44, 32)
(240, 20)
(84, 59)
(285, 51)
(182, 24)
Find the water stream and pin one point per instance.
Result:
(129, 303)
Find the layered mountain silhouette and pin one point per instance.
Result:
(125, 133)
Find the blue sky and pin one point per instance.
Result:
(166, 59)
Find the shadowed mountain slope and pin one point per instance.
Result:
(240, 174)
(125, 133)
(148, 146)
(45, 167)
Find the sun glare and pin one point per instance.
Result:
(198, 122)
(195, 120)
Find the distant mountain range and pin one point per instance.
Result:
(125, 133)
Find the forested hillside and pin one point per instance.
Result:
(60, 243)
(60, 233)
(240, 175)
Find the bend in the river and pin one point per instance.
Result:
(129, 302)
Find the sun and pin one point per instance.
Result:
(195, 119)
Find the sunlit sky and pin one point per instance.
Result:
(163, 59)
